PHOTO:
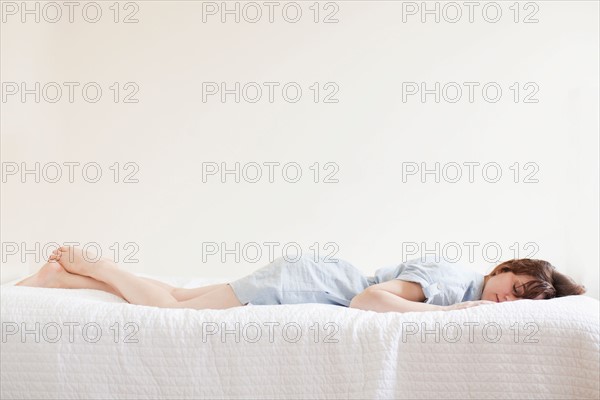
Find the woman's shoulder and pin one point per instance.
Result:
(432, 259)
(444, 266)
(431, 267)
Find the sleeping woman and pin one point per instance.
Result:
(416, 285)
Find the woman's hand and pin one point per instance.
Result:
(467, 304)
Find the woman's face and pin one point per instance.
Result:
(505, 287)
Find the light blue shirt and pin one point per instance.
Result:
(443, 283)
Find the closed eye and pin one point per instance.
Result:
(515, 291)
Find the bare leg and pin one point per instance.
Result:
(183, 294)
(140, 291)
(53, 275)
(220, 298)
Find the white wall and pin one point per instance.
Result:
(369, 134)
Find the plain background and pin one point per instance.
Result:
(368, 133)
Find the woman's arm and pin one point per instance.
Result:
(395, 295)
(382, 301)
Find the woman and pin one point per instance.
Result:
(417, 285)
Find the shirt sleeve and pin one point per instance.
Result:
(429, 276)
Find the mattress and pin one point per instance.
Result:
(88, 344)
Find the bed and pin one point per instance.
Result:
(88, 344)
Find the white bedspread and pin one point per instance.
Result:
(304, 352)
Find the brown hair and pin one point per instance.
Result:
(547, 280)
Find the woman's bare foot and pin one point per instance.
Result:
(76, 261)
(51, 275)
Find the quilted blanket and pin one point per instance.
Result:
(88, 344)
